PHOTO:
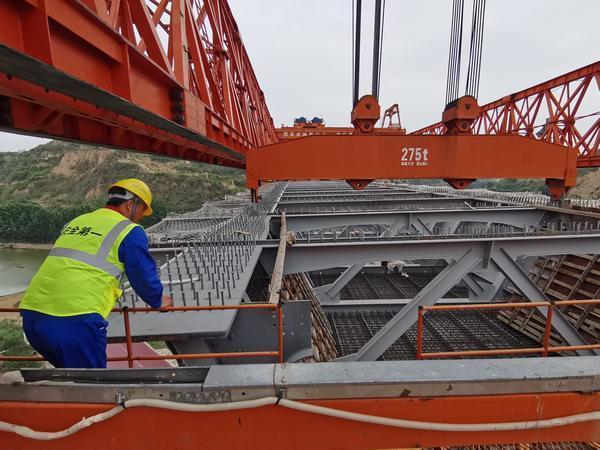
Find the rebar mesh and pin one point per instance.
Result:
(443, 331)
(382, 284)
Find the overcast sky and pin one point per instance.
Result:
(301, 53)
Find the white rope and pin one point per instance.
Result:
(48, 436)
(305, 407)
(434, 426)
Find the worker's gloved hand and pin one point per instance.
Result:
(167, 302)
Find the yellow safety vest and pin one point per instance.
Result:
(82, 272)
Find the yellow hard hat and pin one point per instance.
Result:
(139, 189)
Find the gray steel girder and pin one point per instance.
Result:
(256, 330)
(352, 195)
(500, 252)
(402, 220)
(377, 204)
(314, 256)
(306, 381)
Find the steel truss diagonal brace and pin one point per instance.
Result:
(424, 229)
(532, 292)
(404, 319)
(330, 293)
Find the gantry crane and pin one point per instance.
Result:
(96, 71)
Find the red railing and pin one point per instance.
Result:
(130, 358)
(544, 350)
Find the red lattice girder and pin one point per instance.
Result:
(550, 111)
(174, 72)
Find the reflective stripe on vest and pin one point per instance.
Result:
(97, 260)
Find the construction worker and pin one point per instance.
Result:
(68, 300)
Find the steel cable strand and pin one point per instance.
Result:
(352, 49)
(455, 52)
(459, 57)
(473, 44)
(480, 47)
(381, 47)
(451, 58)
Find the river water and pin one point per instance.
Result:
(17, 267)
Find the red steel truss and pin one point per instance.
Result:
(549, 112)
(161, 76)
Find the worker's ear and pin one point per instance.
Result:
(129, 205)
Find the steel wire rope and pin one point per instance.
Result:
(352, 44)
(459, 57)
(476, 48)
(356, 40)
(455, 51)
(450, 51)
(381, 49)
(377, 47)
(455, 40)
(480, 52)
(470, 70)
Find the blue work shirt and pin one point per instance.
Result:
(140, 268)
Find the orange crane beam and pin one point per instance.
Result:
(549, 113)
(169, 77)
(458, 156)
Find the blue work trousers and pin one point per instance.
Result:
(69, 342)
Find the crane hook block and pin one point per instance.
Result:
(365, 115)
(460, 114)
